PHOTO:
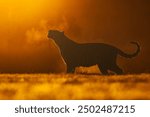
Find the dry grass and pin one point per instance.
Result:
(72, 86)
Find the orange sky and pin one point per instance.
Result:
(24, 24)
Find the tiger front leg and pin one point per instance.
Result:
(70, 69)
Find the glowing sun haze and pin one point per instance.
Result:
(24, 26)
(25, 12)
(27, 20)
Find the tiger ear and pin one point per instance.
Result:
(63, 32)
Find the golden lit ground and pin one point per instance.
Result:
(73, 86)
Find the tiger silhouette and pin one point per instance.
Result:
(75, 55)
